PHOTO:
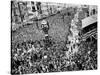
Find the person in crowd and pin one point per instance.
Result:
(45, 26)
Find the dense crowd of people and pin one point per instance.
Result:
(33, 57)
(49, 55)
(29, 54)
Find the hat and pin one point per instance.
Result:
(44, 22)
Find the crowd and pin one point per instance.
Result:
(34, 57)
(46, 55)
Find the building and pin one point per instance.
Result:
(89, 27)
